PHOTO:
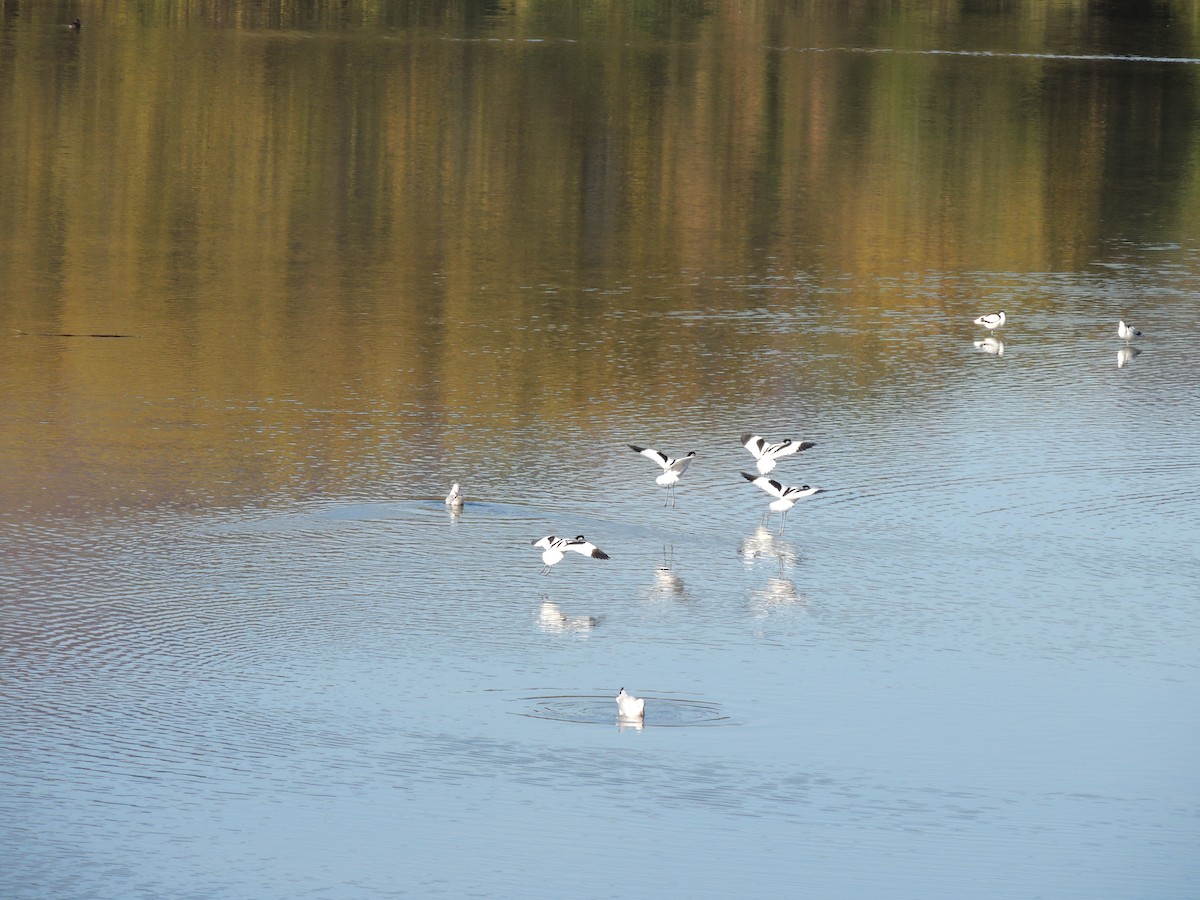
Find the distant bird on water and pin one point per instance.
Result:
(1127, 332)
(673, 468)
(785, 497)
(76, 25)
(992, 321)
(454, 499)
(553, 549)
(629, 706)
(766, 453)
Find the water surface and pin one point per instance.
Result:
(355, 255)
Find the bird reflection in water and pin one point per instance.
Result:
(779, 590)
(1126, 355)
(778, 593)
(667, 583)
(628, 723)
(765, 544)
(990, 345)
(552, 620)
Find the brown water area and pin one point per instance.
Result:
(336, 206)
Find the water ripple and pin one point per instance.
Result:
(662, 711)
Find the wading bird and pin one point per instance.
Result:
(766, 453)
(992, 321)
(1127, 332)
(785, 497)
(673, 469)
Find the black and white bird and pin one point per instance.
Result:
(553, 549)
(785, 497)
(673, 468)
(454, 499)
(629, 706)
(992, 321)
(1127, 332)
(766, 453)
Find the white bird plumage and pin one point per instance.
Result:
(785, 497)
(992, 320)
(454, 499)
(1127, 332)
(629, 706)
(766, 453)
(673, 467)
(553, 549)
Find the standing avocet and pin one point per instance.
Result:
(992, 321)
(766, 453)
(785, 497)
(1127, 332)
(673, 468)
(629, 706)
(553, 549)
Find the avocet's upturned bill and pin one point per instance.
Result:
(629, 706)
(992, 321)
(1127, 332)
(785, 497)
(553, 549)
(766, 453)
(673, 468)
(454, 499)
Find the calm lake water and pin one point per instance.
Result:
(271, 280)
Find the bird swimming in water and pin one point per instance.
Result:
(992, 321)
(454, 499)
(553, 549)
(785, 497)
(766, 453)
(673, 468)
(629, 706)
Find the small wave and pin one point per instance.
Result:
(999, 54)
(591, 709)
